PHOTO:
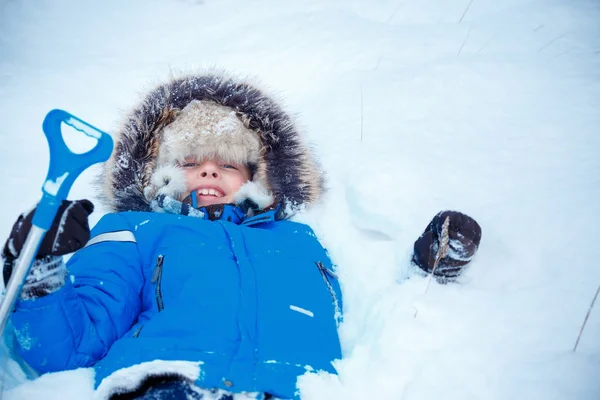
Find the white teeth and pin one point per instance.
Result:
(211, 192)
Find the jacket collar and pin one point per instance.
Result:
(240, 214)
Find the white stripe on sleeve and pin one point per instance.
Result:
(118, 236)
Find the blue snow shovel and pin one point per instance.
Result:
(65, 166)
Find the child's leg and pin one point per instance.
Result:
(163, 388)
(178, 388)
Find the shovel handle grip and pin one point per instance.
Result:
(65, 166)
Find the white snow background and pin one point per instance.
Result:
(490, 107)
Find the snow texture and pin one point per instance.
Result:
(489, 107)
(53, 186)
(256, 192)
(46, 275)
(169, 180)
(61, 227)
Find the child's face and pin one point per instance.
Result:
(214, 181)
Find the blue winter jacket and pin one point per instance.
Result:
(254, 301)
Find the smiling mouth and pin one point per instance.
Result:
(209, 192)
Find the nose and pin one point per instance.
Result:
(209, 169)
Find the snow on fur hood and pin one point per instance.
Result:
(285, 165)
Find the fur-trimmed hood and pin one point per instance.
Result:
(285, 164)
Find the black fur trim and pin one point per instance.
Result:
(292, 173)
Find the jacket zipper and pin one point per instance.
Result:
(326, 273)
(157, 278)
(138, 331)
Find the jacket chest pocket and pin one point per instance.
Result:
(329, 277)
(157, 280)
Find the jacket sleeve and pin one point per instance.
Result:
(76, 325)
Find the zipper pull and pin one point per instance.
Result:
(157, 269)
(326, 270)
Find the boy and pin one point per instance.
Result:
(197, 285)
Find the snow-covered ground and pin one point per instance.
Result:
(491, 107)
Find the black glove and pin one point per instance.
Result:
(69, 232)
(464, 234)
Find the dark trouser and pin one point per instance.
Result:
(172, 388)
(166, 388)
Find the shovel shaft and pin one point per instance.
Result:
(64, 168)
(20, 271)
